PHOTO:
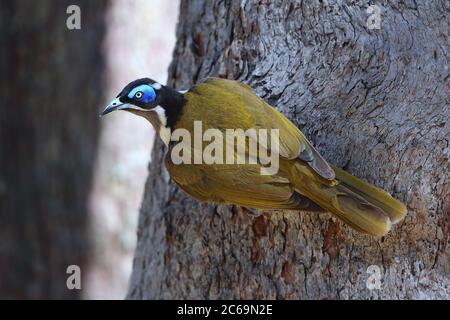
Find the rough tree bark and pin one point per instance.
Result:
(51, 87)
(375, 102)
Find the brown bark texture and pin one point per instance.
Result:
(50, 93)
(373, 101)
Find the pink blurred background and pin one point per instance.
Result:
(135, 47)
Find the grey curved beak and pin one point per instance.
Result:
(114, 105)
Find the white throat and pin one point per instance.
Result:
(164, 132)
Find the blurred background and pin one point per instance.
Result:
(70, 183)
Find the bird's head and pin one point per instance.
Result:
(142, 94)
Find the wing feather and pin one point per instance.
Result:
(292, 145)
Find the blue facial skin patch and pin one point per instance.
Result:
(148, 93)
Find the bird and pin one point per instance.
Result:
(304, 181)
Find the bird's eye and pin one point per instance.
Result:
(138, 95)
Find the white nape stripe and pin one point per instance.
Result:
(157, 86)
(183, 91)
(164, 131)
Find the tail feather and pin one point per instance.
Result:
(380, 198)
(359, 204)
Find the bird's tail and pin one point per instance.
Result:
(361, 205)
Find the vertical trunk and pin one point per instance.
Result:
(50, 93)
(373, 101)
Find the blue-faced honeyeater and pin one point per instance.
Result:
(304, 181)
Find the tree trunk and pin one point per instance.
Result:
(373, 101)
(50, 94)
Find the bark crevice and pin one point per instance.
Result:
(373, 101)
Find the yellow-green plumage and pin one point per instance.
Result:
(305, 181)
(224, 104)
